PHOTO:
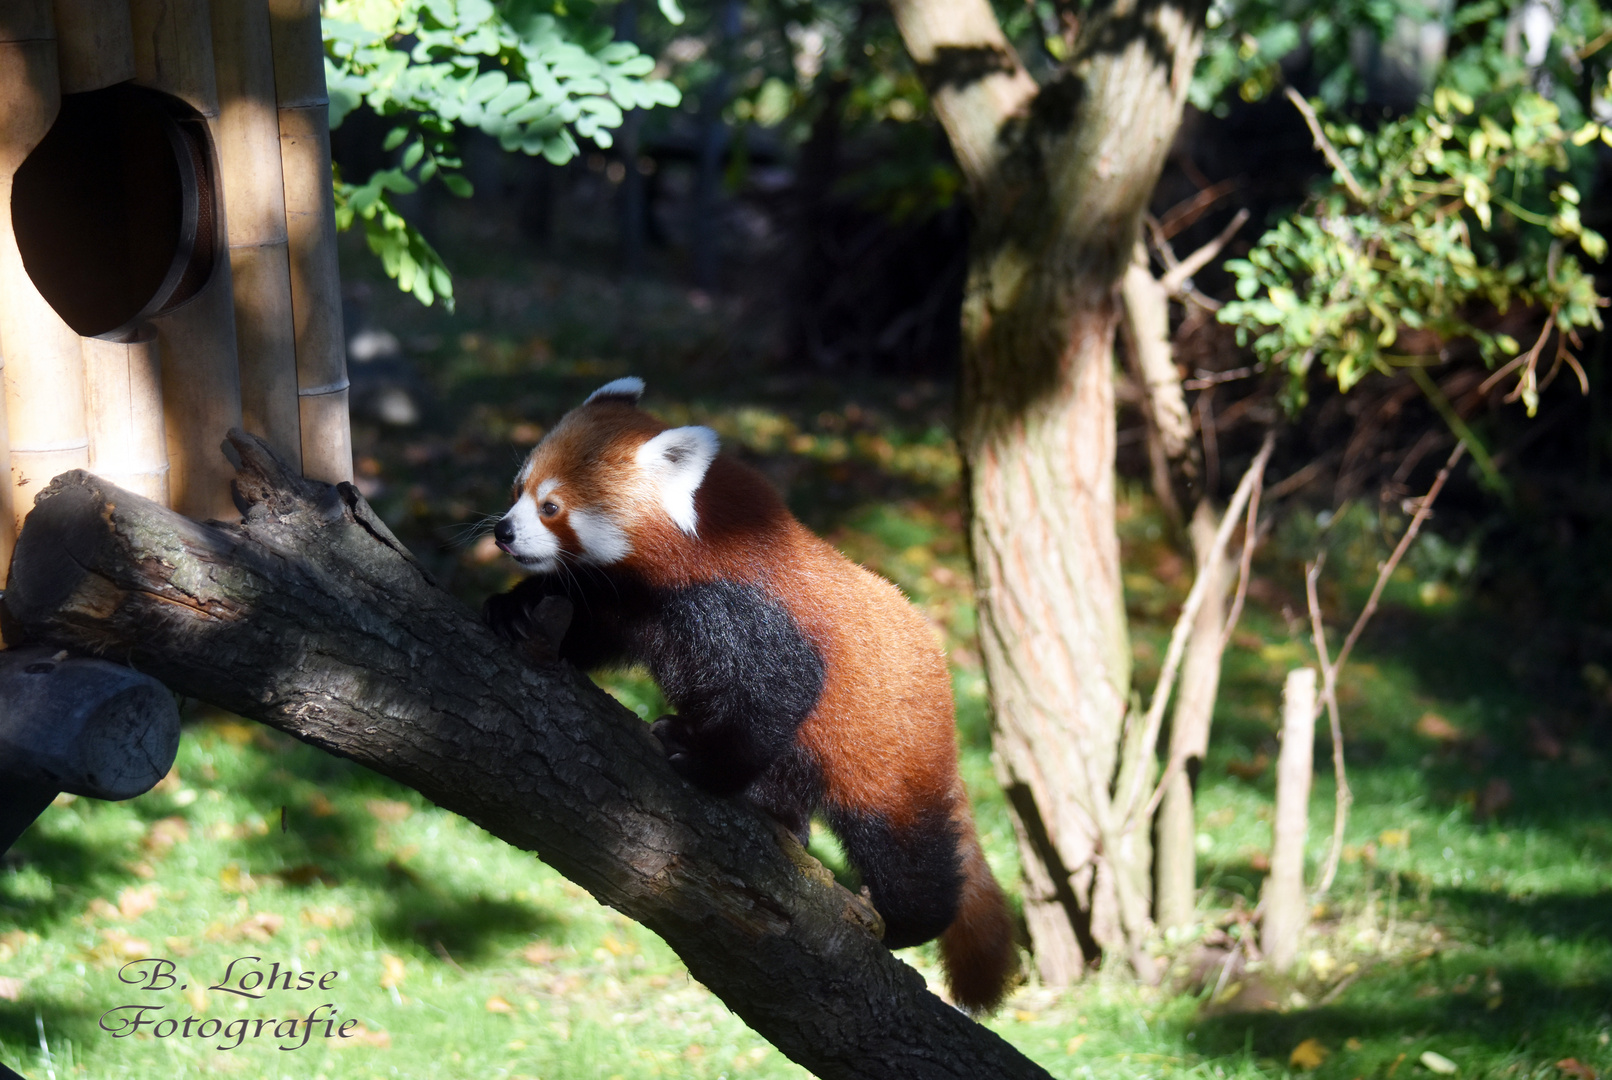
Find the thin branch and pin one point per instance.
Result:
(1184, 213)
(1245, 565)
(1177, 275)
(1422, 512)
(1154, 720)
(1329, 697)
(1203, 380)
(1323, 144)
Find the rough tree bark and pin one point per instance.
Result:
(1059, 176)
(311, 618)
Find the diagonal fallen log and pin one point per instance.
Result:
(313, 619)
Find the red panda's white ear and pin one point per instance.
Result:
(628, 390)
(676, 461)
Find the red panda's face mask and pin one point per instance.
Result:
(593, 482)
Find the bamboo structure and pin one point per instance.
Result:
(95, 44)
(216, 114)
(304, 115)
(123, 395)
(44, 373)
(249, 158)
(201, 375)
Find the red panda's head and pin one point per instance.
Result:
(603, 478)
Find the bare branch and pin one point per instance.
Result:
(1177, 275)
(1245, 564)
(1422, 511)
(1330, 669)
(1329, 697)
(1154, 719)
(1183, 214)
(1323, 144)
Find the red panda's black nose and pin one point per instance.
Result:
(504, 531)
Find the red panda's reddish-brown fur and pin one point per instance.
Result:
(882, 731)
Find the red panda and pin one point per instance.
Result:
(801, 680)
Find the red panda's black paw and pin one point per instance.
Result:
(537, 626)
(672, 732)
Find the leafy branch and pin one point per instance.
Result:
(529, 74)
(1414, 234)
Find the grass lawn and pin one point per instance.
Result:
(1470, 926)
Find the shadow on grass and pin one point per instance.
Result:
(1540, 985)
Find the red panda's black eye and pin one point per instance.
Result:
(549, 509)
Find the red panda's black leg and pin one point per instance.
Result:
(913, 873)
(743, 678)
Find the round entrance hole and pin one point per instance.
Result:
(113, 210)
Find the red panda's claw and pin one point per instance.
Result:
(668, 729)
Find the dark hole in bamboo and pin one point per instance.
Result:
(114, 209)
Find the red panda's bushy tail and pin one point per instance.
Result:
(977, 949)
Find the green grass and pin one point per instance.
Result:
(1480, 932)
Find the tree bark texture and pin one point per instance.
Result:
(1060, 176)
(310, 617)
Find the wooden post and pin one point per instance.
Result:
(304, 111)
(128, 442)
(44, 373)
(90, 727)
(95, 44)
(1286, 911)
(254, 193)
(173, 52)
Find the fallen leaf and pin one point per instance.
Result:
(1249, 770)
(1570, 1067)
(1075, 1043)
(133, 903)
(388, 809)
(392, 971)
(497, 1004)
(1307, 1055)
(540, 953)
(1435, 727)
(165, 834)
(11, 990)
(329, 917)
(1399, 838)
(363, 1036)
(1438, 1063)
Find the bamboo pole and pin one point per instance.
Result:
(1286, 909)
(249, 157)
(95, 44)
(44, 373)
(123, 390)
(26, 42)
(201, 388)
(304, 111)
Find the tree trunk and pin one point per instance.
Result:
(1060, 176)
(313, 619)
